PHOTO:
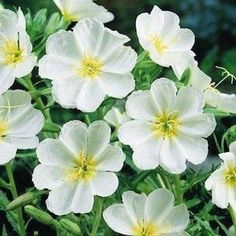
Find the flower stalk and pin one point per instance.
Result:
(20, 220)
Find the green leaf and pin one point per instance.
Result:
(186, 77)
(11, 216)
(4, 231)
(145, 71)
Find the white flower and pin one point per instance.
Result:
(159, 33)
(75, 10)
(88, 64)
(77, 166)
(16, 59)
(198, 79)
(152, 215)
(222, 182)
(115, 117)
(168, 127)
(19, 124)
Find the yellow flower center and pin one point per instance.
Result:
(166, 126)
(84, 169)
(230, 177)
(3, 129)
(12, 52)
(90, 67)
(68, 15)
(146, 229)
(159, 44)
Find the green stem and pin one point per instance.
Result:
(179, 194)
(217, 143)
(98, 217)
(13, 190)
(141, 177)
(233, 217)
(37, 99)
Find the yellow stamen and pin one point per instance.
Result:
(68, 15)
(146, 229)
(3, 129)
(84, 169)
(90, 67)
(166, 126)
(230, 177)
(159, 44)
(12, 53)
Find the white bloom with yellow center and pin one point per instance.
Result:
(115, 117)
(75, 10)
(88, 64)
(78, 166)
(222, 182)
(16, 58)
(201, 81)
(19, 124)
(168, 127)
(152, 215)
(159, 33)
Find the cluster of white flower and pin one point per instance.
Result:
(165, 126)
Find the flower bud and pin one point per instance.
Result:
(70, 226)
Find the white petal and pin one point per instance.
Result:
(60, 199)
(189, 102)
(111, 159)
(26, 66)
(7, 78)
(27, 124)
(134, 204)
(170, 24)
(214, 178)
(223, 102)
(158, 205)
(54, 153)
(111, 42)
(99, 134)
(89, 34)
(135, 132)
(200, 125)
(143, 24)
(66, 91)
(88, 9)
(49, 177)
(199, 79)
(163, 92)
(55, 68)
(145, 155)
(140, 106)
(183, 40)
(171, 157)
(23, 143)
(83, 199)
(74, 135)
(193, 149)
(229, 159)
(7, 152)
(220, 195)
(104, 184)
(90, 97)
(8, 26)
(117, 219)
(232, 147)
(122, 61)
(178, 219)
(63, 44)
(116, 85)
